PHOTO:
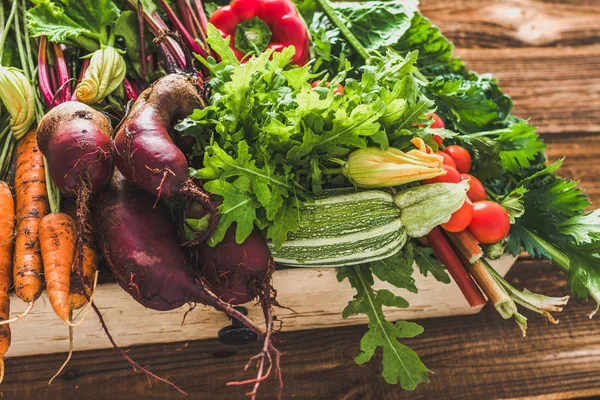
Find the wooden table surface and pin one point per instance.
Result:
(547, 57)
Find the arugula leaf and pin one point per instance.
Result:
(400, 363)
(244, 188)
(397, 269)
(427, 263)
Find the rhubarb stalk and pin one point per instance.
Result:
(445, 253)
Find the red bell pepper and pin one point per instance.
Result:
(257, 25)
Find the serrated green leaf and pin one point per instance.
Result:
(428, 263)
(400, 364)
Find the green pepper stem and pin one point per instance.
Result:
(353, 40)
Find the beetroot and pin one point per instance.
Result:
(236, 273)
(140, 246)
(146, 153)
(75, 139)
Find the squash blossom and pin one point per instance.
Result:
(375, 168)
(105, 73)
(18, 97)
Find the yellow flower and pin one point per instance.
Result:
(105, 73)
(18, 97)
(373, 167)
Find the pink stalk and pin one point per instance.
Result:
(186, 16)
(130, 90)
(84, 66)
(203, 20)
(63, 74)
(198, 25)
(54, 82)
(140, 12)
(181, 29)
(171, 45)
(43, 75)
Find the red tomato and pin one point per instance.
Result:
(451, 176)
(476, 190)
(490, 222)
(438, 139)
(437, 121)
(447, 159)
(460, 220)
(461, 157)
(338, 90)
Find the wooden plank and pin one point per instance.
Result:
(515, 23)
(133, 324)
(545, 54)
(473, 357)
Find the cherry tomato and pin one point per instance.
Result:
(451, 176)
(490, 222)
(338, 90)
(437, 121)
(476, 190)
(461, 157)
(447, 159)
(460, 220)
(438, 139)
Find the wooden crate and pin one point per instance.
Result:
(313, 293)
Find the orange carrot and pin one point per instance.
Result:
(57, 242)
(7, 226)
(90, 263)
(31, 207)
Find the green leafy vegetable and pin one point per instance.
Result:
(400, 364)
(78, 22)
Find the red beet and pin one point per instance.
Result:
(75, 139)
(236, 273)
(145, 151)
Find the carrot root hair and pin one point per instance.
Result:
(64, 364)
(20, 316)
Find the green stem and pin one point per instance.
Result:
(21, 47)
(557, 257)
(28, 40)
(331, 171)
(6, 152)
(329, 10)
(13, 11)
(53, 193)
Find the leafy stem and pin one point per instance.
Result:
(6, 26)
(353, 40)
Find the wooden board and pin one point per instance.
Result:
(298, 289)
(477, 357)
(552, 71)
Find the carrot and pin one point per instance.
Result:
(31, 206)
(7, 226)
(90, 264)
(57, 242)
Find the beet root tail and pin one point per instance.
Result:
(190, 189)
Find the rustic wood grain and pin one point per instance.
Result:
(133, 324)
(474, 357)
(546, 55)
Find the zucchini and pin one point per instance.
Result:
(344, 229)
(347, 227)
